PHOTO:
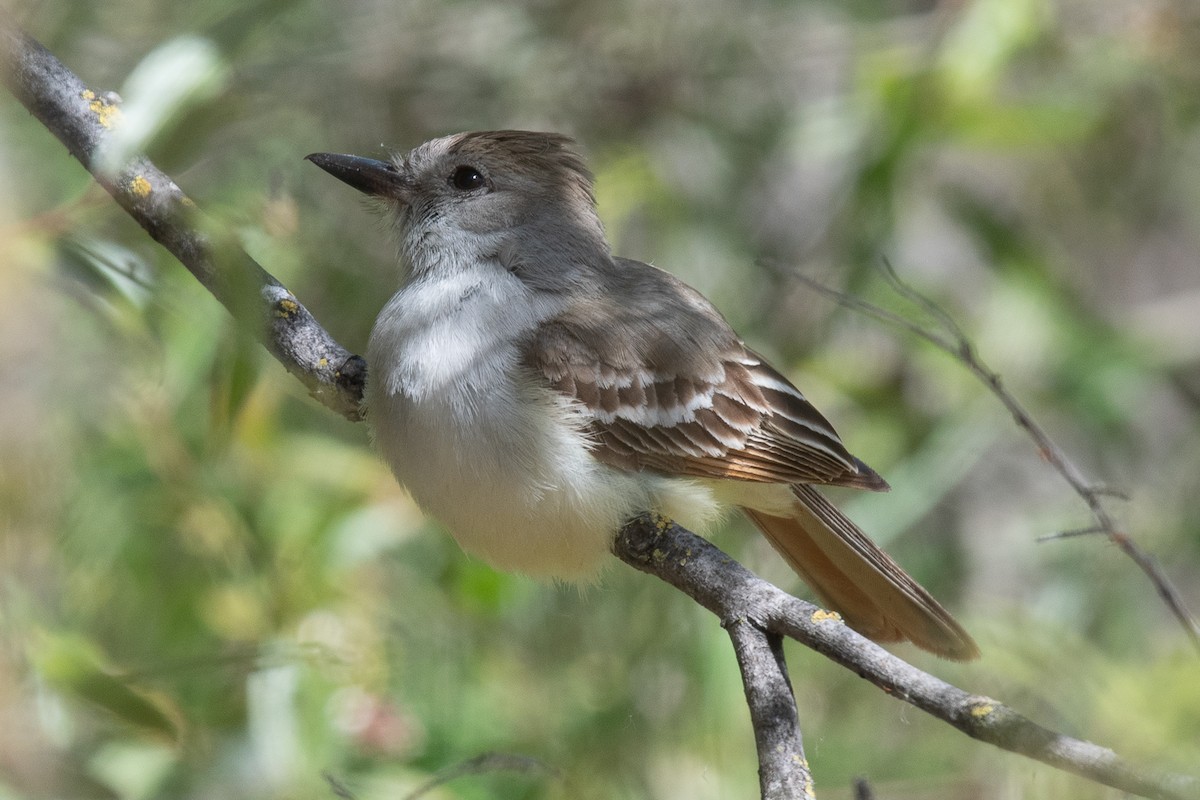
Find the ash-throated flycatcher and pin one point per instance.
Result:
(533, 392)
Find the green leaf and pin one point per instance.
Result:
(75, 667)
(178, 76)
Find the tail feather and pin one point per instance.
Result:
(850, 573)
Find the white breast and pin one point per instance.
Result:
(497, 458)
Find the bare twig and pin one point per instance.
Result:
(714, 580)
(946, 335)
(480, 764)
(1091, 530)
(339, 789)
(755, 613)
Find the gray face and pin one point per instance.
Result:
(520, 197)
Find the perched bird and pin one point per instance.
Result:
(532, 391)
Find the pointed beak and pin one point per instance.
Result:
(378, 178)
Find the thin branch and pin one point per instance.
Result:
(339, 789)
(946, 335)
(1091, 530)
(83, 119)
(481, 764)
(730, 591)
(783, 772)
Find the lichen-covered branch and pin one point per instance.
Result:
(699, 569)
(83, 118)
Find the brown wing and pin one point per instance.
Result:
(678, 393)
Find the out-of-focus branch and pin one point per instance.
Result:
(83, 119)
(714, 580)
(482, 764)
(862, 790)
(947, 336)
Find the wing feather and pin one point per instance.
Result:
(686, 397)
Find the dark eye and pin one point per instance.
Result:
(467, 179)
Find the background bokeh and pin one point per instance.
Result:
(209, 587)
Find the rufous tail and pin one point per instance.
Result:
(855, 578)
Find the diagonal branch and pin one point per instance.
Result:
(83, 119)
(714, 580)
(946, 335)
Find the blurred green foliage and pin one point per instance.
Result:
(212, 588)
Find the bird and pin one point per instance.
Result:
(532, 391)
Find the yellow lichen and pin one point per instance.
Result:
(287, 308)
(982, 710)
(323, 362)
(107, 113)
(821, 615)
(802, 763)
(140, 187)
